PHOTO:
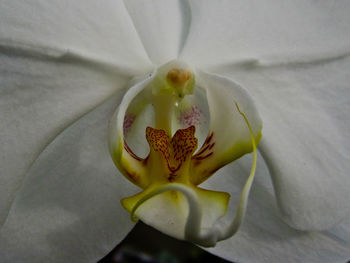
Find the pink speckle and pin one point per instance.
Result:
(190, 116)
(129, 119)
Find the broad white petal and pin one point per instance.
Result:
(162, 26)
(39, 97)
(228, 136)
(305, 111)
(68, 209)
(99, 30)
(264, 237)
(271, 31)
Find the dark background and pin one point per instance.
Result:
(144, 244)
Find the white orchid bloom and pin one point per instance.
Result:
(173, 165)
(65, 66)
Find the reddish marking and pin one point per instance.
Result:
(172, 177)
(129, 119)
(175, 151)
(211, 145)
(208, 139)
(202, 150)
(190, 117)
(127, 148)
(145, 161)
(172, 169)
(196, 162)
(133, 176)
(202, 157)
(205, 149)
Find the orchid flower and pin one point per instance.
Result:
(67, 65)
(173, 165)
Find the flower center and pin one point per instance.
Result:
(170, 158)
(179, 79)
(173, 82)
(170, 174)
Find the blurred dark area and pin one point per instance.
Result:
(144, 244)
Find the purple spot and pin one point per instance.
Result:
(129, 119)
(190, 117)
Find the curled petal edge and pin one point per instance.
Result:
(131, 168)
(228, 137)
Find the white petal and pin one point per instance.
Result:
(305, 111)
(263, 236)
(95, 30)
(162, 26)
(228, 136)
(68, 209)
(235, 31)
(38, 99)
(130, 120)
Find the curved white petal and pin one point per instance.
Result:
(305, 110)
(129, 120)
(263, 236)
(100, 31)
(162, 26)
(228, 136)
(236, 31)
(38, 98)
(68, 209)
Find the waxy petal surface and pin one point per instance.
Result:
(325, 38)
(101, 31)
(264, 237)
(162, 26)
(68, 209)
(226, 32)
(55, 66)
(305, 111)
(39, 97)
